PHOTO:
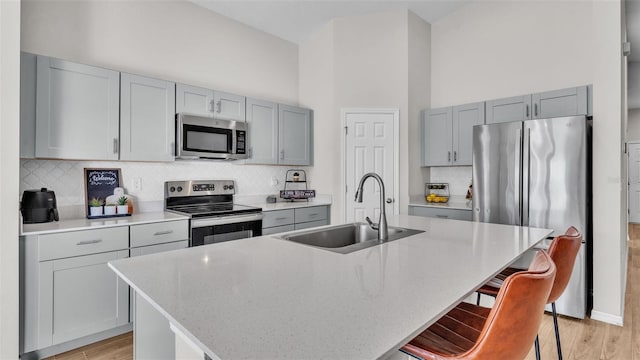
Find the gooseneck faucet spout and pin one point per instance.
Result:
(381, 226)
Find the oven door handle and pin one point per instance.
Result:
(222, 220)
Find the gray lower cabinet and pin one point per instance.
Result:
(548, 104)
(77, 111)
(69, 292)
(442, 213)
(147, 124)
(447, 134)
(279, 221)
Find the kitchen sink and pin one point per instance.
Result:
(346, 238)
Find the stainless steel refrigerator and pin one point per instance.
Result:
(536, 173)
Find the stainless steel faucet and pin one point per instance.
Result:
(381, 226)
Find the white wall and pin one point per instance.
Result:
(9, 135)
(370, 68)
(173, 40)
(489, 50)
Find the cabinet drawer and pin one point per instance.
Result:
(455, 214)
(315, 213)
(310, 224)
(277, 229)
(75, 243)
(277, 218)
(158, 233)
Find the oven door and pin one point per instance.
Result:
(225, 228)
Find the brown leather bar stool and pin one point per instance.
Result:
(503, 332)
(563, 251)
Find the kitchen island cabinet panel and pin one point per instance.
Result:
(147, 119)
(442, 213)
(77, 111)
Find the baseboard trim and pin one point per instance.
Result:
(605, 317)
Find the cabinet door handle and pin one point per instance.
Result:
(535, 109)
(219, 106)
(250, 152)
(449, 156)
(89, 242)
(115, 145)
(527, 111)
(211, 107)
(281, 154)
(442, 216)
(163, 232)
(281, 218)
(314, 214)
(455, 156)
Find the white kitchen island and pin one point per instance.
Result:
(273, 299)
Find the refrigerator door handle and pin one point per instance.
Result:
(525, 176)
(517, 178)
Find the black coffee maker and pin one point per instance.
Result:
(38, 206)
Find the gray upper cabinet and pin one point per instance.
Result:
(447, 134)
(437, 125)
(295, 135)
(147, 129)
(465, 117)
(194, 100)
(262, 120)
(27, 105)
(228, 106)
(557, 103)
(77, 109)
(517, 108)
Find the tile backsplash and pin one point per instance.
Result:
(66, 177)
(458, 177)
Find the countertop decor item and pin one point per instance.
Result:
(100, 184)
(38, 206)
(271, 199)
(296, 176)
(436, 192)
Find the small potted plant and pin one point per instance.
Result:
(110, 209)
(95, 207)
(123, 207)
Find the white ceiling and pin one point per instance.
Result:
(295, 20)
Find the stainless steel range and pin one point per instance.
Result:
(214, 216)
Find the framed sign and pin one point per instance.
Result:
(100, 183)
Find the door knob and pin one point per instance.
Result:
(389, 200)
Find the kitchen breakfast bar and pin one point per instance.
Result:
(270, 298)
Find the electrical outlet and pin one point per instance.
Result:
(137, 184)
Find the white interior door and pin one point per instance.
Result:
(634, 182)
(371, 145)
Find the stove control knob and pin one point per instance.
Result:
(230, 187)
(172, 189)
(179, 188)
(225, 187)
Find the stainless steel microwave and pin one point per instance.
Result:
(199, 137)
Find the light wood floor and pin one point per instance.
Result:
(581, 339)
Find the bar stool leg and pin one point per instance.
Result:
(478, 300)
(555, 325)
(537, 346)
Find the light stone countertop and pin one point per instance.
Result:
(260, 201)
(88, 224)
(457, 202)
(269, 298)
